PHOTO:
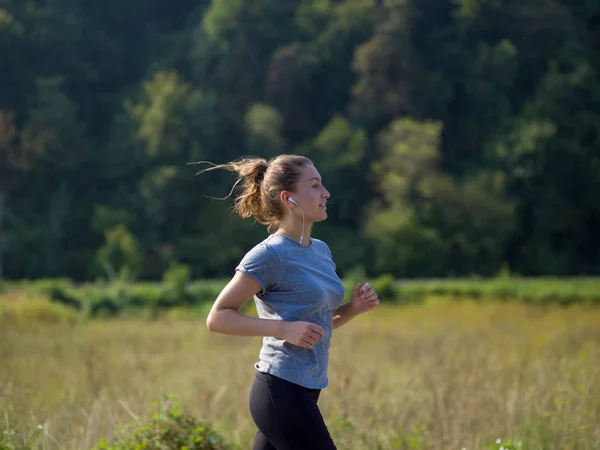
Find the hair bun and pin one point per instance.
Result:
(260, 169)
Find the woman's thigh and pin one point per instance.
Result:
(261, 442)
(288, 415)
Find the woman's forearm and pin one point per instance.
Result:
(231, 321)
(343, 315)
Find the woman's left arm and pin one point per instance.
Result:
(364, 298)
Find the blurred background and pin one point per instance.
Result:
(456, 137)
(460, 141)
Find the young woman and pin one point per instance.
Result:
(298, 297)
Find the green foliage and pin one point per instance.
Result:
(10, 440)
(340, 151)
(426, 219)
(120, 256)
(206, 290)
(508, 444)
(264, 126)
(542, 291)
(26, 310)
(63, 295)
(455, 137)
(141, 295)
(385, 285)
(6, 435)
(58, 301)
(172, 119)
(169, 427)
(175, 280)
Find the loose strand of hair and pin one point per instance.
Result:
(242, 204)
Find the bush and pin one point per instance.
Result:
(205, 290)
(104, 306)
(43, 284)
(542, 291)
(140, 296)
(385, 286)
(23, 309)
(170, 427)
(175, 279)
(7, 439)
(352, 278)
(10, 440)
(64, 295)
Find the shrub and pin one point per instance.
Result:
(26, 310)
(352, 278)
(120, 256)
(205, 290)
(7, 439)
(141, 295)
(385, 286)
(64, 295)
(175, 279)
(43, 284)
(170, 427)
(104, 306)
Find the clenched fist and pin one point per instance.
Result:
(304, 334)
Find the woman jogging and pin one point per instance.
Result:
(298, 297)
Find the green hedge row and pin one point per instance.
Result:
(117, 298)
(561, 291)
(97, 300)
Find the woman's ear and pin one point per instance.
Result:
(283, 196)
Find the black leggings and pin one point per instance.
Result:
(287, 416)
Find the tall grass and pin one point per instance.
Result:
(440, 375)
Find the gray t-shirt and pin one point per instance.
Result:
(298, 283)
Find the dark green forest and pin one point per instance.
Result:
(456, 137)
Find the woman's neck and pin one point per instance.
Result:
(294, 231)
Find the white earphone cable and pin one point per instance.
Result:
(302, 211)
(302, 235)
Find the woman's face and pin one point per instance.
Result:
(311, 195)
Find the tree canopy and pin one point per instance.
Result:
(456, 137)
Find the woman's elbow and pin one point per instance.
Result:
(211, 322)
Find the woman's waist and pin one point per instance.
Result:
(283, 352)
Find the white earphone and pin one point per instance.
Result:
(302, 211)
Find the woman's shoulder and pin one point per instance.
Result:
(320, 244)
(263, 249)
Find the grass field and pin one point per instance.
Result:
(441, 375)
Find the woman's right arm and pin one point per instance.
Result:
(225, 316)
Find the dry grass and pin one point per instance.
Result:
(438, 376)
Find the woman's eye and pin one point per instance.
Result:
(316, 185)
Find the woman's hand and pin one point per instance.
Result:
(304, 334)
(364, 298)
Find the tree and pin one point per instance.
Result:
(441, 227)
(120, 256)
(264, 126)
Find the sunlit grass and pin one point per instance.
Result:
(443, 375)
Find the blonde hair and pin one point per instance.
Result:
(261, 183)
